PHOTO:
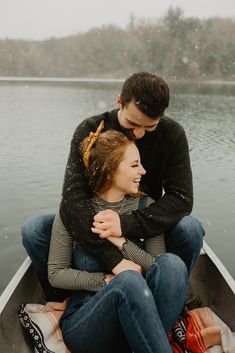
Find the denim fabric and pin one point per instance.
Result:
(129, 312)
(130, 308)
(185, 240)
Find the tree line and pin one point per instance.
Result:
(175, 46)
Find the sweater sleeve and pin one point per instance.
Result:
(60, 273)
(176, 202)
(76, 209)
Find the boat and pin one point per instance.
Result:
(210, 281)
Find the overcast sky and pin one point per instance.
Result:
(40, 19)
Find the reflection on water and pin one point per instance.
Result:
(37, 123)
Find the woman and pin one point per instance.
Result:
(129, 312)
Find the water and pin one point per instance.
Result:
(37, 122)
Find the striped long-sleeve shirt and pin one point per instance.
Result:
(60, 271)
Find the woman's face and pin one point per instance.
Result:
(127, 178)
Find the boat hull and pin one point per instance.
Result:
(210, 281)
(23, 288)
(215, 287)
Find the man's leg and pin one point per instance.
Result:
(167, 279)
(36, 235)
(185, 240)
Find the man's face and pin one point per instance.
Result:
(131, 118)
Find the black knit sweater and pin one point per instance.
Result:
(165, 156)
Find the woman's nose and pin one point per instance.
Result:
(142, 170)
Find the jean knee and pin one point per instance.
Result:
(192, 229)
(172, 264)
(168, 274)
(35, 225)
(132, 284)
(27, 230)
(128, 278)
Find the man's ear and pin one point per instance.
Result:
(119, 102)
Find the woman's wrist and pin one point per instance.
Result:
(121, 243)
(118, 242)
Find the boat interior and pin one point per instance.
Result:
(207, 281)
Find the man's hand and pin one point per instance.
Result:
(107, 223)
(126, 265)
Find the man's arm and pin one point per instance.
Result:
(177, 201)
(162, 215)
(76, 209)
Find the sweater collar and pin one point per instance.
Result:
(115, 124)
(114, 119)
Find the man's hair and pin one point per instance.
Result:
(149, 92)
(104, 159)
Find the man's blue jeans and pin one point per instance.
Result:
(130, 314)
(184, 240)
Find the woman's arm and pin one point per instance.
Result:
(60, 273)
(153, 247)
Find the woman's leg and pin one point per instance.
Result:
(124, 308)
(185, 240)
(168, 280)
(36, 235)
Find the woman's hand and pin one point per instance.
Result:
(126, 265)
(115, 240)
(106, 224)
(108, 278)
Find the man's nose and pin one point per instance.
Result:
(139, 132)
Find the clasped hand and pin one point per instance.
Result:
(107, 223)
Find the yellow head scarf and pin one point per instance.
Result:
(93, 136)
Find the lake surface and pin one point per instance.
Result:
(37, 121)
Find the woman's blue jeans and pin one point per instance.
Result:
(184, 240)
(130, 314)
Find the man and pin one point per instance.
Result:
(165, 156)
